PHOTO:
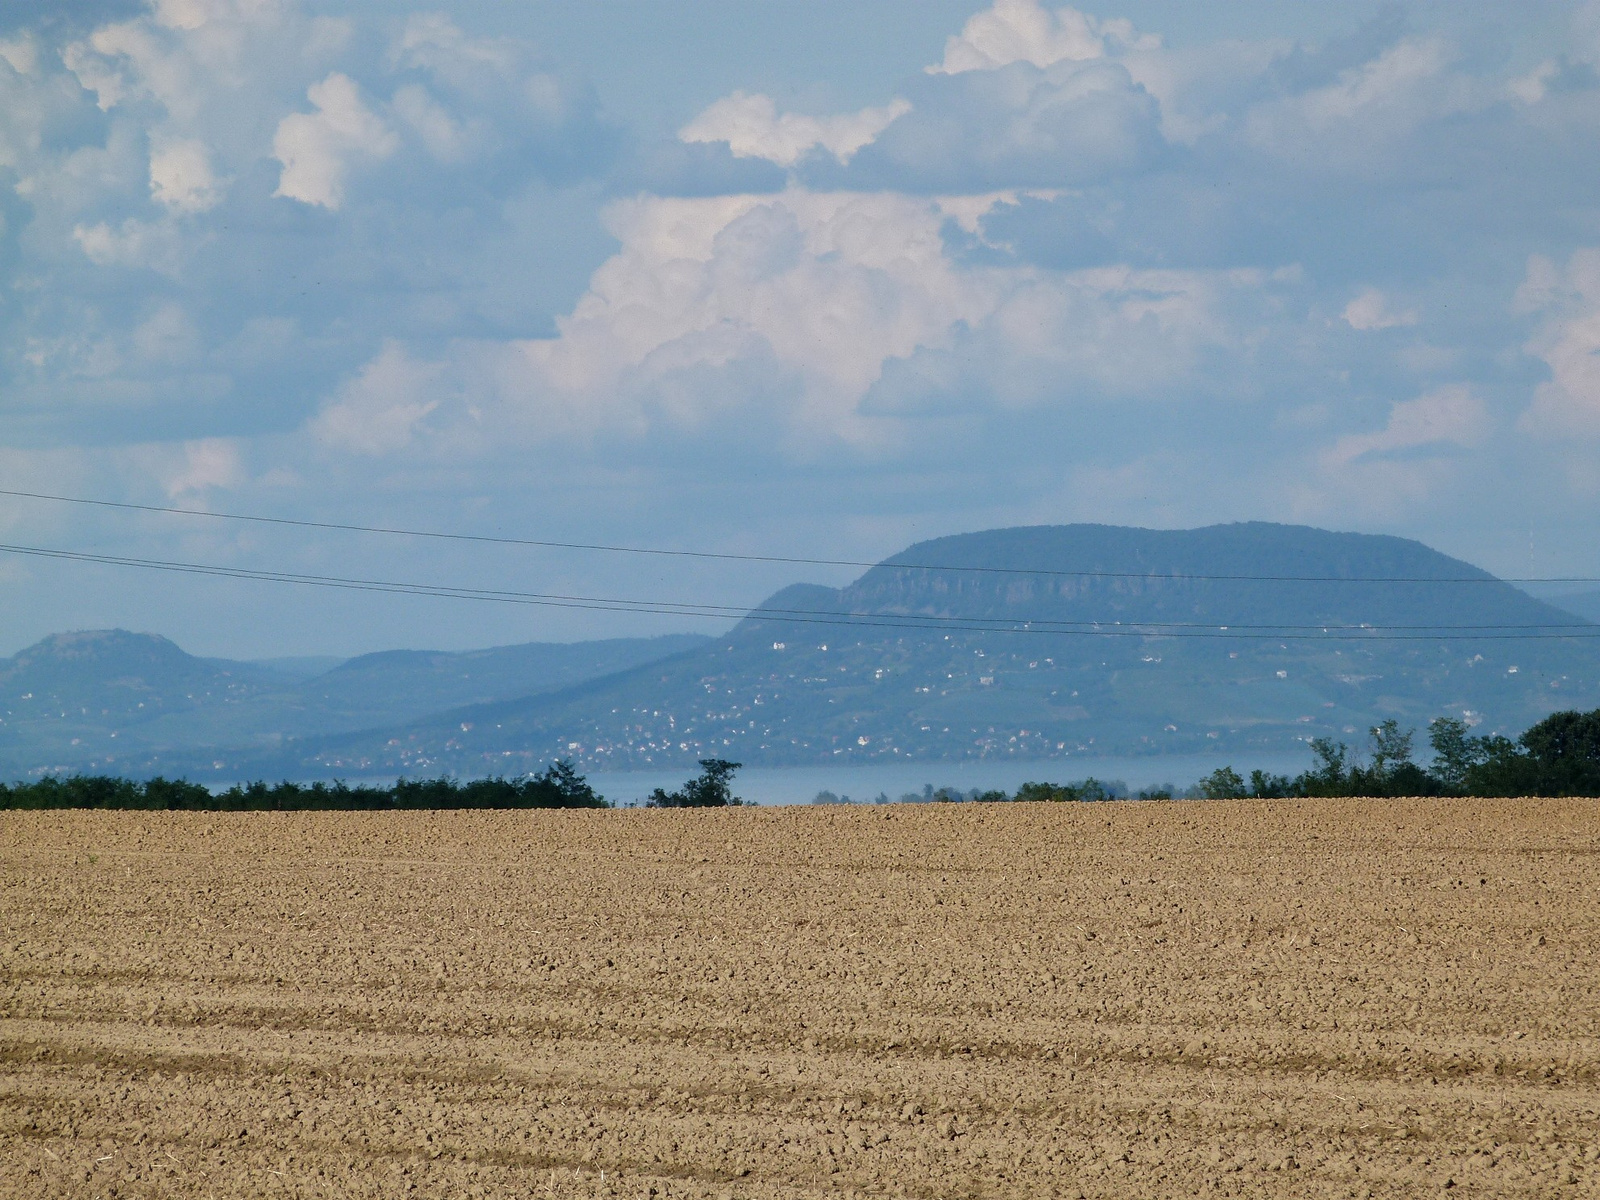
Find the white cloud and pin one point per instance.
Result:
(152, 245)
(792, 312)
(1014, 31)
(186, 53)
(1370, 108)
(1568, 341)
(1069, 124)
(20, 53)
(446, 138)
(166, 336)
(205, 463)
(316, 148)
(1532, 87)
(822, 288)
(95, 73)
(753, 128)
(378, 411)
(433, 41)
(489, 98)
(968, 211)
(1370, 311)
(1449, 416)
(201, 83)
(181, 177)
(1425, 458)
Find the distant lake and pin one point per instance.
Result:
(797, 785)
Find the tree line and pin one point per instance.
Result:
(1558, 756)
(558, 786)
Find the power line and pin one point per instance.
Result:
(488, 539)
(923, 623)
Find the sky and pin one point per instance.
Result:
(752, 277)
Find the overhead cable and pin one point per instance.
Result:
(729, 556)
(923, 623)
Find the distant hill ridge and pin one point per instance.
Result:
(809, 690)
(113, 699)
(813, 688)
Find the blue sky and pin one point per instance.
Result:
(816, 280)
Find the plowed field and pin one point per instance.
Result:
(1124, 1000)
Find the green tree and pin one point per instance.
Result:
(711, 789)
(1330, 776)
(1392, 772)
(1222, 784)
(560, 786)
(1033, 793)
(1266, 786)
(1455, 751)
(1566, 745)
(1390, 747)
(1504, 768)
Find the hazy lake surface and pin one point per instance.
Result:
(798, 785)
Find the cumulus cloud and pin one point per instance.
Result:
(1025, 98)
(753, 128)
(176, 56)
(378, 412)
(151, 245)
(435, 42)
(317, 149)
(21, 54)
(492, 100)
(205, 463)
(821, 319)
(815, 290)
(1017, 126)
(1452, 416)
(181, 178)
(167, 336)
(1370, 109)
(1568, 341)
(447, 139)
(1370, 311)
(1015, 31)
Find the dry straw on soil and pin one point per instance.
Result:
(1319, 998)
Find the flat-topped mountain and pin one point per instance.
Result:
(1047, 642)
(1247, 573)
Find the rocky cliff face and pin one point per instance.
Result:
(1100, 573)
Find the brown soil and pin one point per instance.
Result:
(1133, 999)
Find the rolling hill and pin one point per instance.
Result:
(119, 701)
